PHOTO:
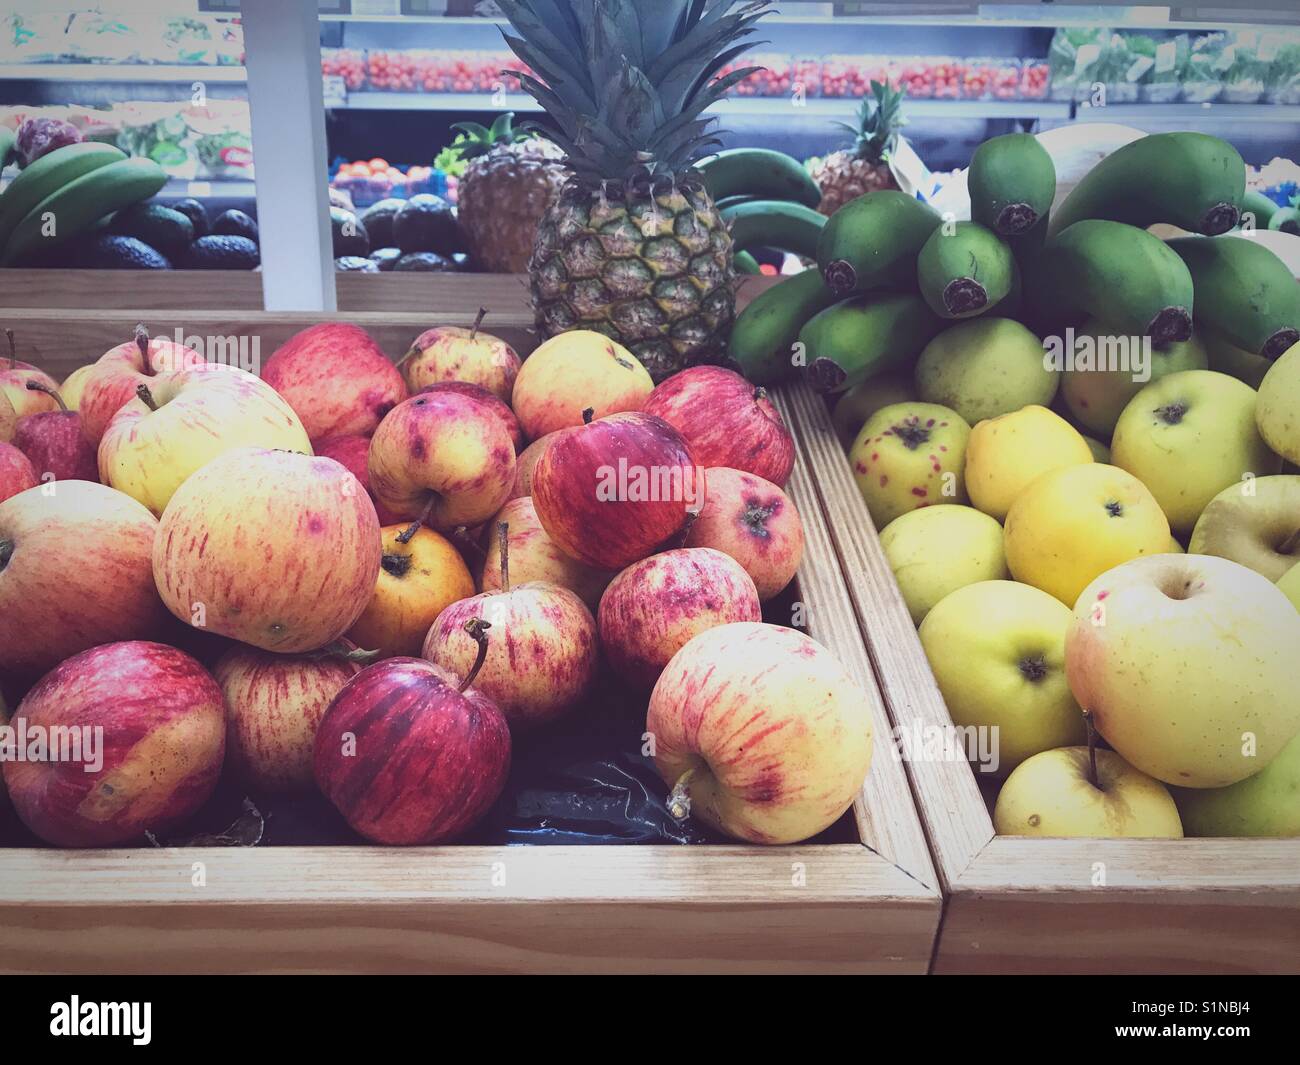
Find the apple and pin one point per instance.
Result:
(14, 376)
(271, 548)
(525, 464)
(160, 723)
(617, 489)
(54, 442)
(353, 453)
(760, 733)
(755, 523)
(337, 379)
(157, 440)
(1007, 454)
(1073, 524)
(8, 419)
(1189, 436)
(74, 572)
(442, 458)
(274, 704)
(997, 651)
(1277, 413)
(1267, 804)
(488, 398)
(541, 661)
(409, 756)
(907, 456)
(74, 385)
(1289, 583)
(1057, 793)
(454, 353)
(860, 402)
(115, 378)
(1256, 523)
(726, 421)
(418, 579)
(574, 372)
(653, 608)
(16, 472)
(936, 550)
(1188, 664)
(534, 557)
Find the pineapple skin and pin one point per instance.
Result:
(842, 176)
(654, 275)
(502, 198)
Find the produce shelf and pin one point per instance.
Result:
(120, 72)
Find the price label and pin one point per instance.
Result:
(336, 90)
(1166, 56)
(1086, 56)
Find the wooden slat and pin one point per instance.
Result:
(122, 289)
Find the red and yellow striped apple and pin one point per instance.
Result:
(56, 445)
(525, 465)
(16, 472)
(575, 371)
(353, 452)
(534, 557)
(488, 398)
(121, 370)
(455, 353)
(14, 376)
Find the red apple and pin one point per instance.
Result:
(454, 353)
(151, 726)
(271, 548)
(16, 472)
(525, 465)
(8, 419)
(54, 442)
(274, 704)
(542, 658)
(409, 756)
(654, 607)
(442, 458)
(617, 489)
(337, 379)
(14, 376)
(352, 452)
(500, 406)
(74, 572)
(726, 420)
(120, 371)
(755, 523)
(534, 557)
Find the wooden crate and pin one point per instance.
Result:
(1017, 905)
(867, 906)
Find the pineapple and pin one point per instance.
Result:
(634, 248)
(846, 175)
(512, 176)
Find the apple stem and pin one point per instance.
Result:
(503, 542)
(1290, 544)
(36, 386)
(339, 649)
(6, 552)
(142, 342)
(587, 415)
(679, 799)
(477, 628)
(412, 350)
(1092, 749)
(760, 393)
(13, 350)
(462, 539)
(142, 390)
(482, 313)
(405, 535)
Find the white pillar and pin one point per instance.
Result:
(282, 46)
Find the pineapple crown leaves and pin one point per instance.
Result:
(477, 140)
(875, 134)
(645, 73)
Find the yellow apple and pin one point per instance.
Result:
(1267, 804)
(1075, 523)
(1255, 522)
(1188, 664)
(1277, 413)
(455, 353)
(985, 367)
(185, 421)
(73, 385)
(575, 371)
(1053, 794)
(1009, 453)
(1187, 437)
(909, 455)
(997, 651)
(1100, 451)
(936, 550)
(861, 401)
(1290, 584)
(8, 419)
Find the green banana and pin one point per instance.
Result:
(858, 337)
(964, 270)
(47, 175)
(745, 263)
(763, 336)
(872, 242)
(78, 205)
(1012, 181)
(1116, 272)
(732, 201)
(1192, 180)
(1260, 208)
(760, 173)
(1286, 220)
(6, 145)
(775, 224)
(1243, 291)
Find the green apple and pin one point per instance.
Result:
(1189, 436)
(936, 550)
(1100, 452)
(907, 456)
(984, 367)
(861, 401)
(1267, 804)
(1278, 410)
(997, 651)
(1055, 794)
(1290, 584)
(1189, 666)
(1255, 522)
(1097, 392)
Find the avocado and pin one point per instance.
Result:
(350, 236)
(427, 223)
(424, 260)
(168, 230)
(355, 264)
(221, 253)
(378, 220)
(112, 251)
(385, 258)
(235, 224)
(196, 213)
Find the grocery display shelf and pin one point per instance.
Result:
(121, 72)
(1185, 112)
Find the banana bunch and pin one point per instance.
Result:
(63, 194)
